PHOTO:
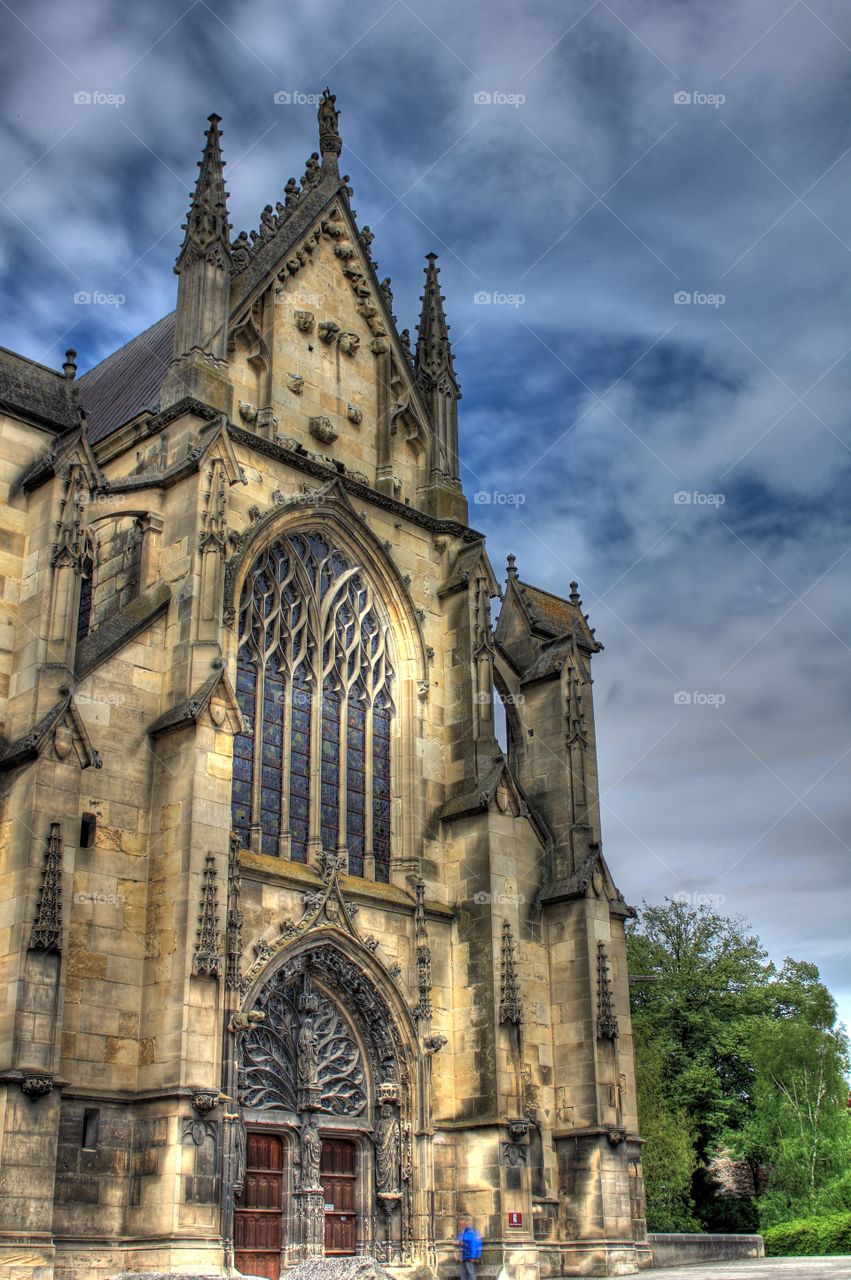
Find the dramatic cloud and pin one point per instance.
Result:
(578, 168)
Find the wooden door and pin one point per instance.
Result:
(337, 1173)
(259, 1213)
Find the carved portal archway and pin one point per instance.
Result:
(329, 1061)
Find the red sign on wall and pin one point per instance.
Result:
(515, 1219)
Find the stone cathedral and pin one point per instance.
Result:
(298, 960)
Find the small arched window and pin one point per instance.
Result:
(313, 681)
(84, 610)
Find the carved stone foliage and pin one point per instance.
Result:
(46, 932)
(510, 1003)
(36, 1087)
(207, 961)
(607, 1023)
(233, 931)
(422, 1009)
(297, 1049)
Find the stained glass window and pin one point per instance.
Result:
(313, 669)
(381, 792)
(329, 809)
(356, 786)
(300, 771)
(243, 749)
(271, 762)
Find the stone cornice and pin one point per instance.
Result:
(303, 462)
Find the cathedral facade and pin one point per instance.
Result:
(298, 960)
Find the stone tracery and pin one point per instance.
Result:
(314, 679)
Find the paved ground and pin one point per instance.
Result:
(760, 1269)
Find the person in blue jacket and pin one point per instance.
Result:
(471, 1246)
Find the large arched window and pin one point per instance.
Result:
(313, 683)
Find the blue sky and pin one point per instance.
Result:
(579, 165)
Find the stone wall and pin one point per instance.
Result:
(682, 1249)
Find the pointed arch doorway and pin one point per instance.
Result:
(324, 1091)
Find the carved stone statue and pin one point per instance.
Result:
(311, 1153)
(312, 171)
(268, 225)
(307, 1055)
(388, 1145)
(291, 193)
(241, 251)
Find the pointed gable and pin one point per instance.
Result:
(538, 630)
(62, 730)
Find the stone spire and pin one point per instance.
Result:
(203, 268)
(330, 143)
(434, 350)
(203, 264)
(435, 374)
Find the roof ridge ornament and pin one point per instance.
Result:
(330, 142)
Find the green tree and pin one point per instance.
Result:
(799, 1126)
(732, 1054)
(669, 1158)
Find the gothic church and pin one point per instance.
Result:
(297, 960)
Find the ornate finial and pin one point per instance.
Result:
(207, 961)
(510, 1003)
(574, 593)
(69, 368)
(422, 1009)
(434, 350)
(330, 143)
(207, 227)
(512, 565)
(46, 932)
(607, 1023)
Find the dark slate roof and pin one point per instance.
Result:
(128, 381)
(556, 617)
(33, 391)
